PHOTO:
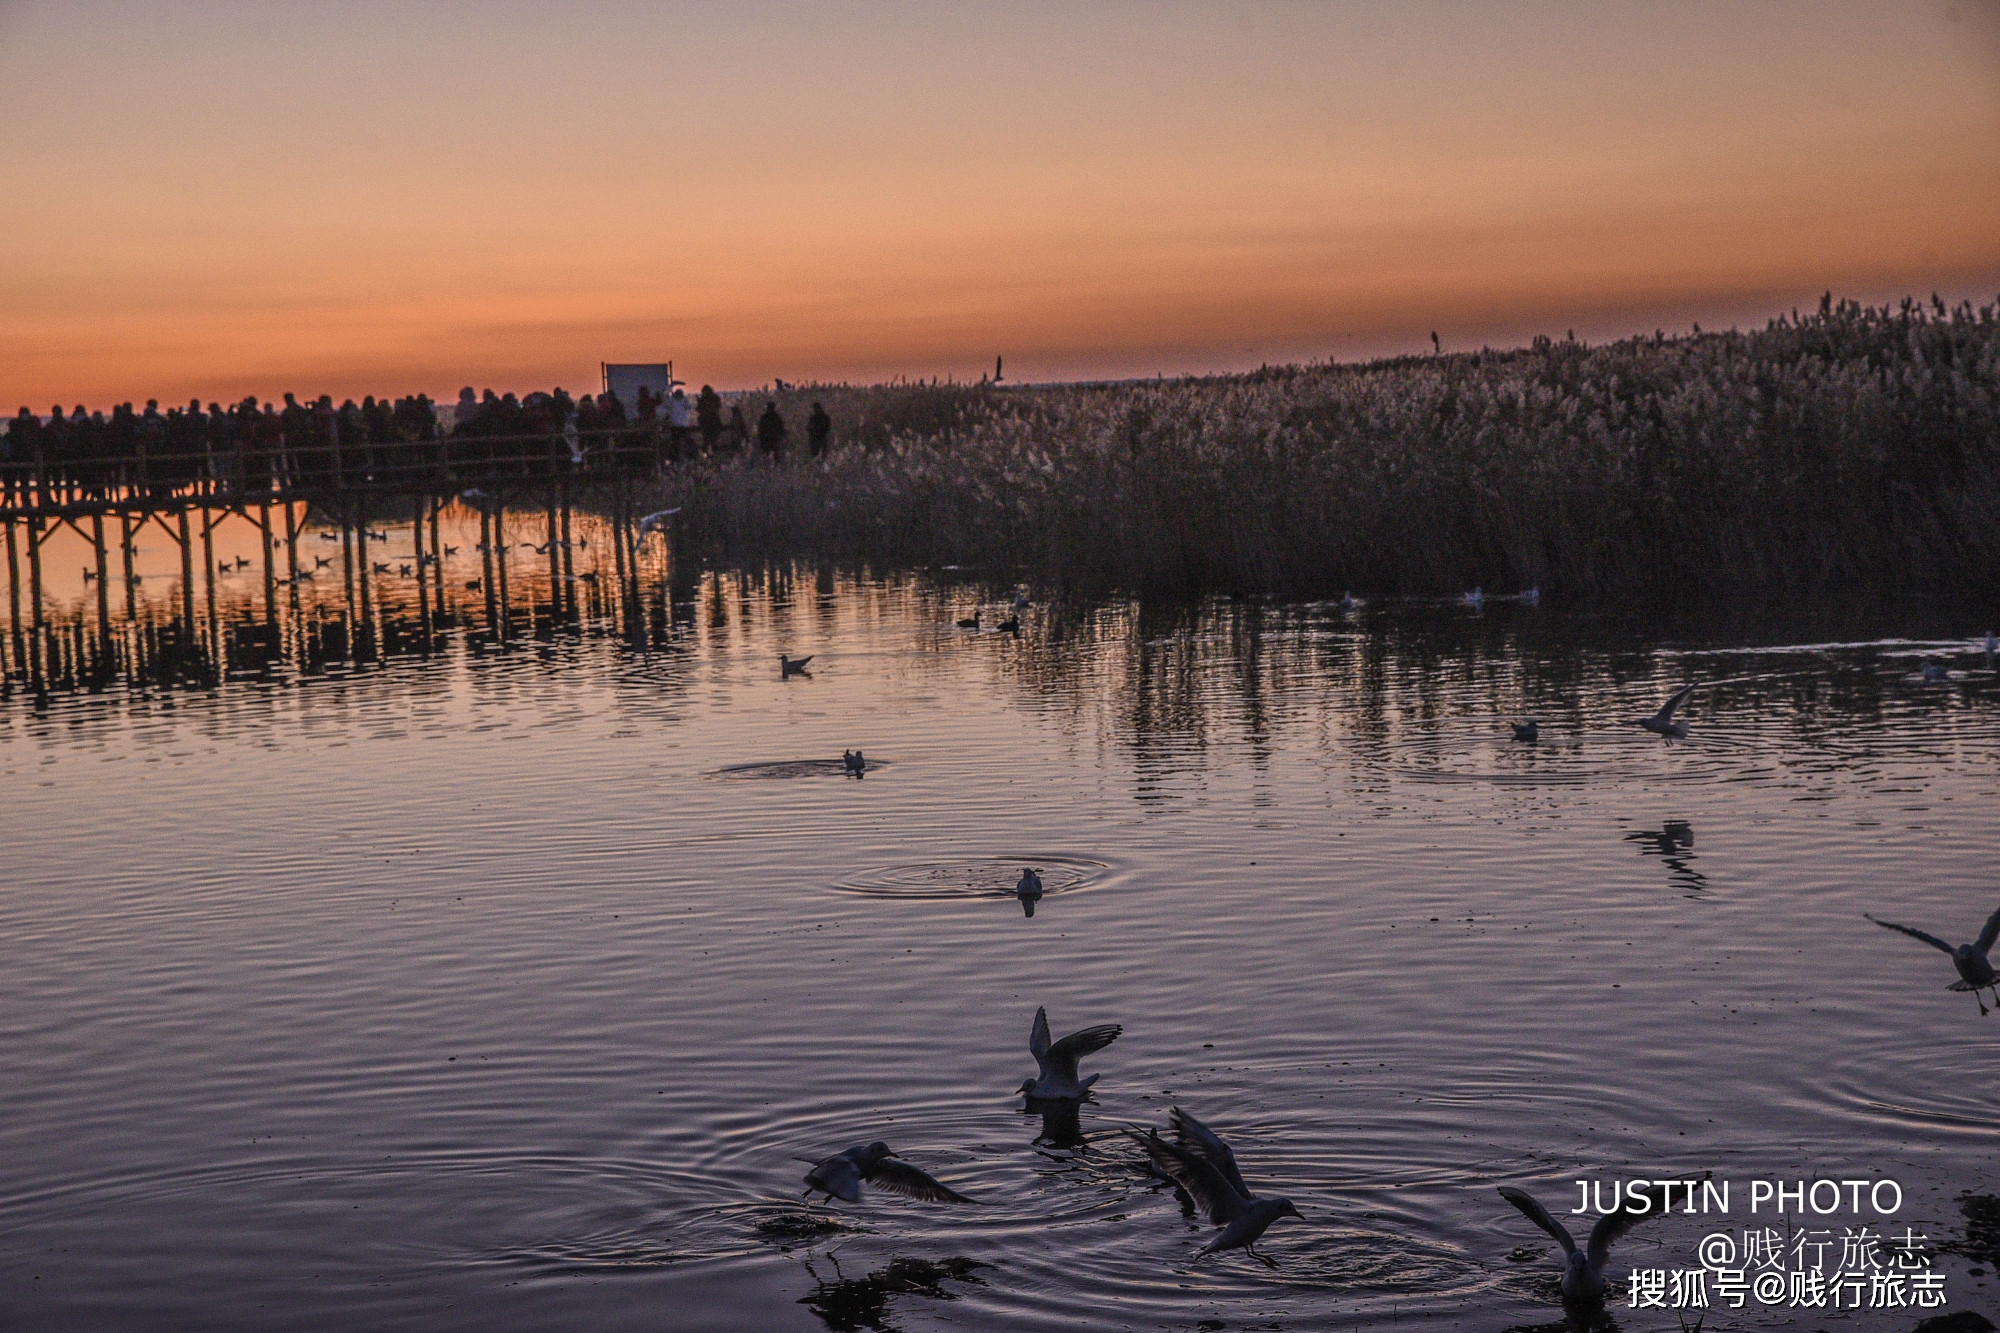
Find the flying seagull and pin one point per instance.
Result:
(1662, 723)
(842, 1175)
(1058, 1061)
(1975, 973)
(1029, 891)
(1583, 1270)
(1225, 1204)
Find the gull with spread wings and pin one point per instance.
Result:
(1662, 723)
(1975, 970)
(842, 1175)
(1203, 1165)
(1583, 1270)
(1058, 1060)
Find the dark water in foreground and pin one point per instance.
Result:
(501, 990)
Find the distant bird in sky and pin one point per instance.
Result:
(793, 666)
(1527, 731)
(379, 567)
(88, 573)
(1217, 1192)
(970, 622)
(1975, 970)
(1583, 1270)
(377, 536)
(404, 570)
(321, 562)
(657, 519)
(854, 762)
(450, 550)
(1662, 723)
(842, 1175)
(1058, 1061)
(1029, 891)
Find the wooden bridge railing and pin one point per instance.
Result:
(230, 477)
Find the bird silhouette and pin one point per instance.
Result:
(472, 585)
(404, 570)
(970, 622)
(1205, 1168)
(1975, 970)
(321, 562)
(793, 666)
(1583, 1270)
(381, 568)
(1011, 625)
(842, 1175)
(1527, 731)
(1058, 1060)
(854, 762)
(1662, 723)
(1029, 891)
(88, 573)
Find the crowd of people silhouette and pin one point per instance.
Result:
(264, 443)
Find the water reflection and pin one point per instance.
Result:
(1673, 843)
(848, 1304)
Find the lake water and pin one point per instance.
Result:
(501, 988)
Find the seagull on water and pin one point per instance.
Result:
(1527, 731)
(657, 519)
(842, 1175)
(793, 666)
(1583, 1270)
(1975, 972)
(1662, 723)
(1029, 891)
(1202, 1164)
(1058, 1061)
(854, 762)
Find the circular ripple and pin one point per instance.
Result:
(975, 877)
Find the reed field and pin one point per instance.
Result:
(1852, 451)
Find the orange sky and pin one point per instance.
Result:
(224, 199)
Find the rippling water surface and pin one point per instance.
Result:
(503, 989)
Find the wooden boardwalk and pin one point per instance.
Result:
(362, 490)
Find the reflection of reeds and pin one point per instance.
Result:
(1854, 448)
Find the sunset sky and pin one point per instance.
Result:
(220, 199)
